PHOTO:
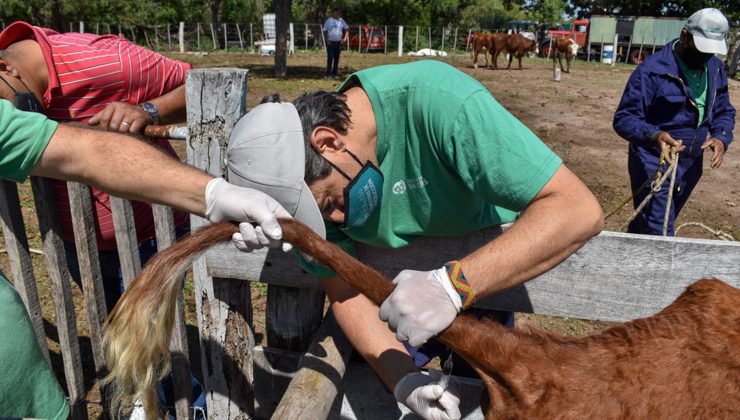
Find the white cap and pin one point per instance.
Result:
(267, 152)
(709, 28)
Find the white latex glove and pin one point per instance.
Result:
(425, 397)
(226, 201)
(422, 305)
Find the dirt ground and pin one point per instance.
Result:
(573, 117)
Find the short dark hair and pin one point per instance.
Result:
(316, 109)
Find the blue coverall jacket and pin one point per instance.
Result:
(657, 99)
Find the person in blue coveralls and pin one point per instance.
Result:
(676, 98)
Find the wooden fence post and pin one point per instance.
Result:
(181, 37)
(61, 292)
(400, 41)
(224, 307)
(293, 315)
(19, 256)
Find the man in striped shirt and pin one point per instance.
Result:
(102, 80)
(105, 81)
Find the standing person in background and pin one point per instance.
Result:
(678, 98)
(105, 81)
(335, 30)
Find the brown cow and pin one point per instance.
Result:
(498, 45)
(518, 45)
(481, 43)
(680, 363)
(564, 47)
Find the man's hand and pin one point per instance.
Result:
(422, 305)
(718, 151)
(423, 395)
(122, 117)
(664, 141)
(226, 201)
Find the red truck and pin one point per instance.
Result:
(368, 38)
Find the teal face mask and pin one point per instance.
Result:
(362, 195)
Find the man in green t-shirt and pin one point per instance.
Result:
(403, 151)
(30, 144)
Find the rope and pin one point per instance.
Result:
(722, 235)
(655, 186)
(674, 164)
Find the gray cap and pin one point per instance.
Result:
(266, 152)
(709, 28)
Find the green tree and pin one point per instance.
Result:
(546, 10)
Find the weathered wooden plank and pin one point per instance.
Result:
(319, 376)
(164, 224)
(216, 99)
(61, 292)
(87, 255)
(126, 242)
(614, 277)
(224, 320)
(292, 316)
(21, 267)
(83, 223)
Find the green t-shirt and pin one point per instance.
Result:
(697, 83)
(28, 387)
(453, 159)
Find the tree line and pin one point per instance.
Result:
(461, 13)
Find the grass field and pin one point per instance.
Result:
(573, 117)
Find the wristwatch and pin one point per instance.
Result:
(152, 110)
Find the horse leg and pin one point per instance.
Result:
(519, 57)
(511, 58)
(475, 58)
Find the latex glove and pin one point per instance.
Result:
(425, 397)
(422, 305)
(226, 201)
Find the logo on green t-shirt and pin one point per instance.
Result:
(400, 186)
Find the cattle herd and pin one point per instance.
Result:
(517, 45)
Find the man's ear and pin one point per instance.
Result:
(8, 69)
(326, 140)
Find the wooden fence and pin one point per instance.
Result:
(613, 277)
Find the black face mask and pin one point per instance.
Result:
(695, 59)
(25, 101)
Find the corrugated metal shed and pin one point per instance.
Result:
(602, 29)
(656, 31)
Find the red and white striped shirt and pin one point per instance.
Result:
(87, 72)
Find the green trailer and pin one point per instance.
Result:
(637, 37)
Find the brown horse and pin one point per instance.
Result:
(680, 363)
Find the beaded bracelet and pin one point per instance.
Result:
(460, 283)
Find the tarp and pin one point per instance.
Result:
(602, 29)
(656, 31)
